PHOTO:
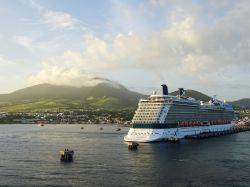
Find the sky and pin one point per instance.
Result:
(194, 44)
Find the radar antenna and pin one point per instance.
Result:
(214, 98)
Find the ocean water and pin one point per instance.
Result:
(29, 156)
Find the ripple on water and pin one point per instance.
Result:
(29, 156)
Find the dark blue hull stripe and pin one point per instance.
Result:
(164, 126)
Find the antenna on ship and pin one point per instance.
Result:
(214, 98)
(164, 89)
(181, 92)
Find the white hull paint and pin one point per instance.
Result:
(153, 135)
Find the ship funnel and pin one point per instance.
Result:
(164, 89)
(181, 91)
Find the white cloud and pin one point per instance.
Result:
(59, 20)
(34, 44)
(124, 51)
(187, 51)
(24, 41)
(184, 30)
(195, 63)
(55, 19)
(63, 76)
(35, 4)
(5, 61)
(65, 70)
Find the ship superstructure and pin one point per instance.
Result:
(164, 117)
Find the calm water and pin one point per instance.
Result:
(29, 156)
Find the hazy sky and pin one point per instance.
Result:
(203, 45)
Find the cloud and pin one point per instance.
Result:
(184, 30)
(36, 5)
(55, 19)
(36, 45)
(4, 61)
(24, 41)
(65, 70)
(64, 76)
(168, 47)
(187, 50)
(123, 51)
(63, 73)
(59, 20)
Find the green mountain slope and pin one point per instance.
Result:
(54, 98)
(47, 91)
(46, 97)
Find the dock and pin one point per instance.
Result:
(236, 129)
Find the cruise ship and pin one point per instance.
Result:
(166, 117)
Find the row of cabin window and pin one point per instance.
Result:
(148, 118)
(152, 118)
(139, 121)
(149, 108)
(147, 115)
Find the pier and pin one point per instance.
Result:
(237, 129)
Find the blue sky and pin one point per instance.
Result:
(201, 45)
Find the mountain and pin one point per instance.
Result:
(242, 103)
(194, 94)
(47, 97)
(46, 91)
(106, 95)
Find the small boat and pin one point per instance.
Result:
(82, 128)
(133, 145)
(66, 155)
(101, 128)
(118, 129)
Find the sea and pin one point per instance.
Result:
(29, 157)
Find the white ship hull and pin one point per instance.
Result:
(153, 135)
